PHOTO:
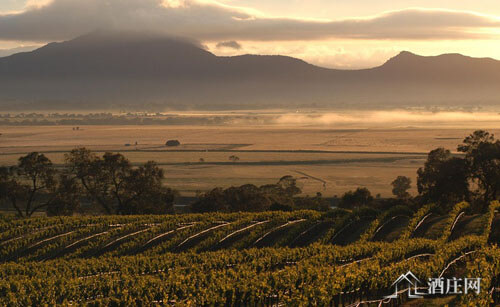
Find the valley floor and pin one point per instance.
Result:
(326, 160)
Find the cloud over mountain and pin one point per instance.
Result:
(212, 21)
(229, 44)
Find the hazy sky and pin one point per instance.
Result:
(333, 33)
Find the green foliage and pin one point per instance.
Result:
(381, 219)
(452, 219)
(112, 183)
(400, 187)
(485, 265)
(131, 272)
(250, 198)
(443, 179)
(29, 186)
(356, 199)
(447, 179)
(482, 154)
(415, 220)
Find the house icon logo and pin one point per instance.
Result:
(406, 282)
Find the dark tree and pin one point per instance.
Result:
(247, 198)
(29, 186)
(10, 189)
(472, 142)
(88, 170)
(289, 185)
(317, 203)
(355, 199)
(144, 192)
(67, 197)
(400, 187)
(38, 178)
(212, 201)
(443, 179)
(281, 199)
(279, 196)
(117, 187)
(482, 154)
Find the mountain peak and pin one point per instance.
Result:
(402, 57)
(411, 61)
(405, 53)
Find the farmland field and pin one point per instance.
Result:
(343, 159)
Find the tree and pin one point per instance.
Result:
(67, 197)
(281, 200)
(144, 192)
(317, 203)
(472, 142)
(355, 199)
(116, 186)
(289, 185)
(29, 186)
(211, 201)
(443, 179)
(86, 167)
(400, 187)
(37, 170)
(11, 189)
(482, 154)
(248, 197)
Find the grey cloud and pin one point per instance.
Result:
(229, 44)
(64, 19)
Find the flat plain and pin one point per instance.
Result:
(325, 159)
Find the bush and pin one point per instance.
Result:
(355, 199)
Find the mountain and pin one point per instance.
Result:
(107, 69)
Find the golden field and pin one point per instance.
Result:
(326, 160)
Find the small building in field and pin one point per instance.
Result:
(172, 143)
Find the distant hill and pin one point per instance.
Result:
(106, 69)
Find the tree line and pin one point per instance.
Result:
(281, 196)
(109, 183)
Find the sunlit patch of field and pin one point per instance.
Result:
(325, 160)
(245, 137)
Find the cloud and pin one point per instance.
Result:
(229, 44)
(7, 52)
(212, 21)
(397, 117)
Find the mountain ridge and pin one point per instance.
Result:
(137, 69)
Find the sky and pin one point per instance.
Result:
(347, 34)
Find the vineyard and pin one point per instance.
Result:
(337, 258)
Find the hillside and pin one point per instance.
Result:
(240, 258)
(114, 69)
